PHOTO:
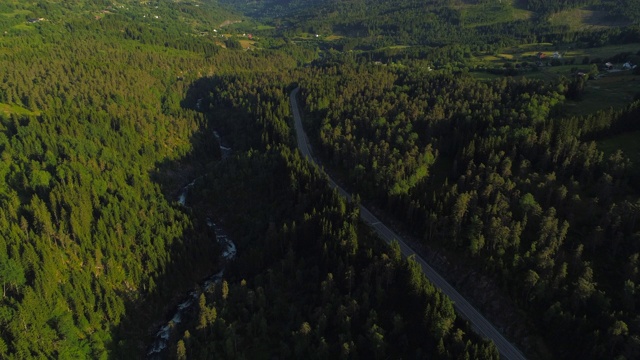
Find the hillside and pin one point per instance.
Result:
(499, 137)
(91, 249)
(373, 24)
(107, 110)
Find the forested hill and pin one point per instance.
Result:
(378, 23)
(99, 132)
(497, 173)
(361, 7)
(92, 245)
(310, 280)
(515, 159)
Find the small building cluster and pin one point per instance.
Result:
(556, 55)
(626, 66)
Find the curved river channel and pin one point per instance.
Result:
(157, 350)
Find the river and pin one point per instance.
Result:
(157, 350)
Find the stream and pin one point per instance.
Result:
(158, 348)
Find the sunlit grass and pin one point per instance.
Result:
(492, 13)
(397, 47)
(333, 37)
(16, 13)
(528, 52)
(246, 43)
(23, 27)
(585, 19)
(265, 27)
(16, 109)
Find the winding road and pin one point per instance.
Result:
(463, 307)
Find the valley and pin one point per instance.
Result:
(439, 179)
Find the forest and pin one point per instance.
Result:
(94, 143)
(497, 173)
(313, 283)
(108, 110)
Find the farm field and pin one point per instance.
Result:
(610, 89)
(528, 52)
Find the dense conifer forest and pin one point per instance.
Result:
(313, 282)
(445, 116)
(527, 196)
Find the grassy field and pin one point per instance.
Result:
(613, 90)
(610, 90)
(16, 13)
(629, 143)
(528, 52)
(23, 27)
(7, 109)
(305, 36)
(394, 47)
(19, 13)
(264, 27)
(309, 36)
(570, 55)
(229, 22)
(585, 18)
(333, 37)
(246, 43)
(593, 53)
(492, 13)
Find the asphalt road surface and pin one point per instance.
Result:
(464, 308)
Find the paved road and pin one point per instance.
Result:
(464, 308)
